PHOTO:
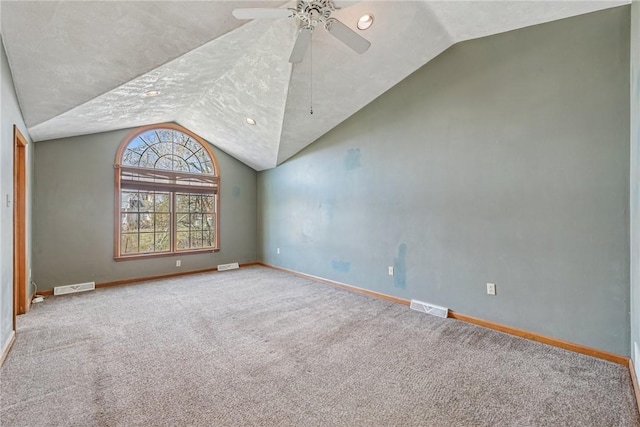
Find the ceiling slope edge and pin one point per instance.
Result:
(468, 20)
(255, 87)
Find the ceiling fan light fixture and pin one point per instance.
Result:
(250, 121)
(365, 21)
(309, 15)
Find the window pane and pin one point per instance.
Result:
(129, 222)
(196, 203)
(146, 222)
(125, 201)
(182, 202)
(196, 239)
(207, 166)
(146, 201)
(162, 202)
(162, 222)
(188, 202)
(130, 201)
(208, 203)
(149, 157)
(152, 226)
(167, 149)
(182, 240)
(210, 230)
(129, 243)
(196, 221)
(209, 222)
(183, 222)
(207, 239)
(162, 242)
(165, 135)
(131, 157)
(147, 242)
(172, 162)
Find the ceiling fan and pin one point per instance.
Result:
(309, 13)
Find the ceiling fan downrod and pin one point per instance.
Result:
(310, 78)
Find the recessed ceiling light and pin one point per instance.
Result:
(152, 93)
(365, 21)
(250, 121)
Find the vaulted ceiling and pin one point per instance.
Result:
(83, 67)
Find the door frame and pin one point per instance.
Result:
(20, 277)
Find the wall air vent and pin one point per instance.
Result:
(425, 307)
(232, 266)
(72, 289)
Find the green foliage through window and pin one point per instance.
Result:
(172, 211)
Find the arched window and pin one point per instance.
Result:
(167, 193)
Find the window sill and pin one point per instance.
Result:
(163, 254)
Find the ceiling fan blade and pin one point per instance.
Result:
(347, 36)
(301, 45)
(261, 13)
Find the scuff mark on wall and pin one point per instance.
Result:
(327, 209)
(352, 160)
(342, 266)
(400, 267)
(308, 227)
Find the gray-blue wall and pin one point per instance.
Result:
(74, 215)
(10, 115)
(504, 160)
(635, 183)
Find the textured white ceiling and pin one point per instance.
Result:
(83, 67)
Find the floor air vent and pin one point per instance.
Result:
(71, 289)
(232, 266)
(425, 307)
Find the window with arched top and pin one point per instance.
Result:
(167, 193)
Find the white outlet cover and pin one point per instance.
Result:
(178, 263)
(390, 271)
(491, 289)
(278, 251)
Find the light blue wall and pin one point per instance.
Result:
(635, 183)
(504, 160)
(10, 114)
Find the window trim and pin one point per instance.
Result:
(118, 192)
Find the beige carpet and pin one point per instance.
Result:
(258, 347)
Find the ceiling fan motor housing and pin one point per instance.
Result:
(313, 12)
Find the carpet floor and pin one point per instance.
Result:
(259, 347)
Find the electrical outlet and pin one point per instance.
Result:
(178, 263)
(278, 251)
(390, 271)
(491, 289)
